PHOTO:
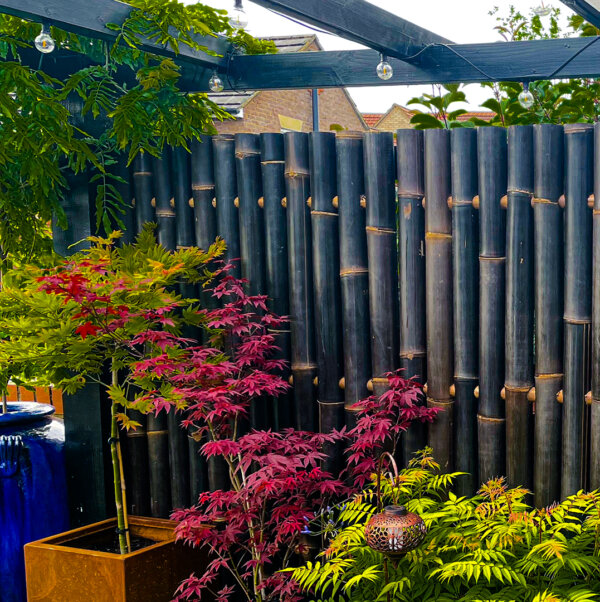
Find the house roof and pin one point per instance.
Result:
(233, 102)
(484, 115)
(371, 119)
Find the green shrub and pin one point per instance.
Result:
(493, 546)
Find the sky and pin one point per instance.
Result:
(462, 21)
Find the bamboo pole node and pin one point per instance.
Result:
(504, 202)
(191, 202)
(476, 202)
(284, 202)
(503, 393)
(531, 394)
(261, 202)
(153, 202)
(560, 397)
(363, 201)
(315, 381)
(450, 202)
(236, 201)
(172, 202)
(590, 201)
(588, 398)
(309, 201)
(561, 201)
(342, 383)
(370, 385)
(214, 201)
(335, 201)
(476, 391)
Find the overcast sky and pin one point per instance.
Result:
(462, 21)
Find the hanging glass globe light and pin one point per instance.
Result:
(542, 11)
(44, 41)
(238, 18)
(384, 69)
(215, 83)
(526, 98)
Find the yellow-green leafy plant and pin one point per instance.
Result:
(493, 546)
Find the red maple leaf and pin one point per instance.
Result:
(87, 328)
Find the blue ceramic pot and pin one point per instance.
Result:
(33, 496)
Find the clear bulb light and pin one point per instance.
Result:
(526, 99)
(44, 42)
(238, 19)
(542, 11)
(384, 69)
(215, 83)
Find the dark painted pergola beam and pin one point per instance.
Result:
(590, 11)
(89, 17)
(467, 63)
(360, 22)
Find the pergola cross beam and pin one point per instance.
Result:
(89, 18)
(361, 22)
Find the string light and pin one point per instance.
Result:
(542, 11)
(238, 18)
(44, 42)
(384, 69)
(526, 98)
(215, 83)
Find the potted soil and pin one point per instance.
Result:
(106, 309)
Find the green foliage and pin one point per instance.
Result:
(127, 101)
(492, 546)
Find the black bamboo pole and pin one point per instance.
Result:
(304, 367)
(578, 304)
(411, 272)
(225, 198)
(491, 150)
(179, 460)
(465, 247)
(125, 189)
(548, 237)
(438, 253)
(143, 190)
(157, 426)
(354, 275)
(594, 397)
(382, 254)
(519, 308)
(276, 260)
(326, 265)
(251, 225)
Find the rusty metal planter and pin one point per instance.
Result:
(57, 572)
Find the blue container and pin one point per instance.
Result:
(33, 489)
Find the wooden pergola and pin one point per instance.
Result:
(417, 55)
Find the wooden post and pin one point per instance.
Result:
(411, 272)
(465, 247)
(548, 236)
(438, 250)
(491, 420)
(326, 265)
(276, 259)
(519, 308)
(578, 304)
(304, 367)
(382, 254)
(353, 270)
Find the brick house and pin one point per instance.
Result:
(288, 110)
(398, 117)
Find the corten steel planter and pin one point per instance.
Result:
(58, 571)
